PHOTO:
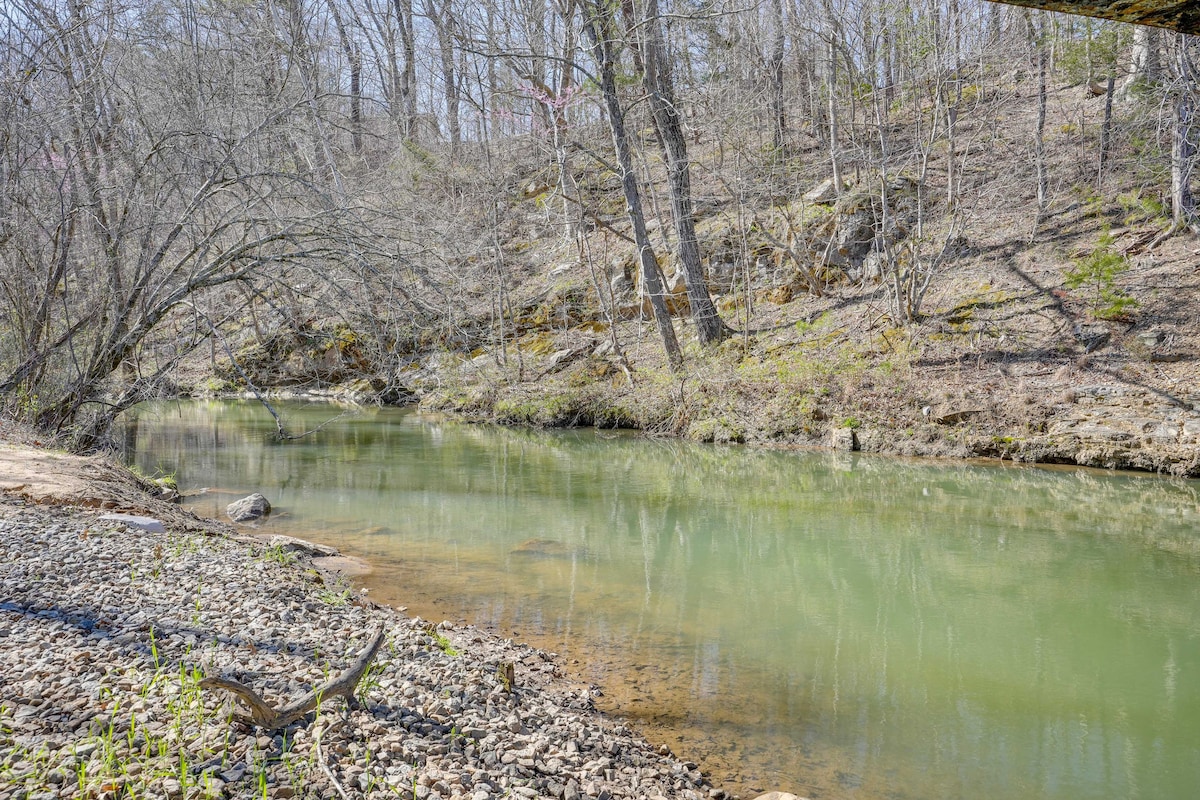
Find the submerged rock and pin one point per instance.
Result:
(292, 544)
(545, 548)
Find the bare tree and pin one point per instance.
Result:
(1037, 39)
(1183, 133)
(600, 29)
(442, 16)
(651, 59)
(775, 72)
(354, 61)
(1144, 66)
(122, 220)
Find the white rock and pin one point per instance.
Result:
(148, 524)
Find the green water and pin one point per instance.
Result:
(828, 624)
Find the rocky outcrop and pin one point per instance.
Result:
(869, 219)
(1111, 426)
(823, 193)
(1127, 427)
(628, 301)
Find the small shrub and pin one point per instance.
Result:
(1098, 272)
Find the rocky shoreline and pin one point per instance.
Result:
(106, 631)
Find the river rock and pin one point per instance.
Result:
(248, 509)
(432, 723)
(545, 548)
(149, 524)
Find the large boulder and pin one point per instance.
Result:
(248, 509)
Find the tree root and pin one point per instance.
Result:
(266, 716)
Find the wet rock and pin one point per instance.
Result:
(294, 545)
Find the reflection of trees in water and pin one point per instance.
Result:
(886, 608)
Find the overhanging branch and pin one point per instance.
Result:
(1181, 15)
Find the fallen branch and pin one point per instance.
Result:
(266, 716)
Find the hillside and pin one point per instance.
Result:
(958, 231)
(1007, 358)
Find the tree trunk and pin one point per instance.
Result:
(442, 18)
(656, 79)
(354, 61)
(775, 70)
(1039, 141)
(408, 76)
(1105, 128)
(1144, 66)
(598, 27)
(834, 131)
(951, 109)
(1183, 149)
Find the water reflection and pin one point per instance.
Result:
(837, 625)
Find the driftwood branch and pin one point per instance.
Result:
(266, 716)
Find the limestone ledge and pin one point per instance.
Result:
(1124, 427)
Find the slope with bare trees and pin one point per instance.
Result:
(925, 228)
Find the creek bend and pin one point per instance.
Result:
(835, 625)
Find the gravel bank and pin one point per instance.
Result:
(105, 631)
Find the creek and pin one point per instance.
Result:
(830, 624)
